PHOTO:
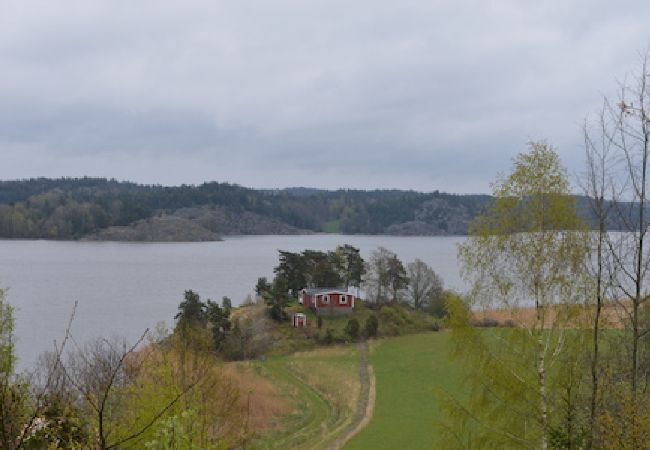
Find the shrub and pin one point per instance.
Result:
(352, 328)
(329, 336)
(371, 326)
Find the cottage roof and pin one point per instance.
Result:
(313, 291)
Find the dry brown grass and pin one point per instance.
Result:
(267, 402)
(333, 371)
(579, 316)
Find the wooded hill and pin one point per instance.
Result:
(98, 208)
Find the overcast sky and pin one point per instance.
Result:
(406, 94)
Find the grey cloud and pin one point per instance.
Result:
(412, 94)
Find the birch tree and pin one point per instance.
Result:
(526, 253)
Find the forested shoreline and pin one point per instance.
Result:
(103, 209)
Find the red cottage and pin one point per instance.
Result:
(327, 301)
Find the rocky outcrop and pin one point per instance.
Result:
(229, 222)
(162, 228)
(195, 225)
(435, 217)
(414, 228)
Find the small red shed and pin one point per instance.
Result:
(299, 320)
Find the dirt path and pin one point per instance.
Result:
(366, 404)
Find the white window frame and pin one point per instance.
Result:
(343, 299)
(326, 299)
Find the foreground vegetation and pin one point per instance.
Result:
(561, 379)
(294, 387)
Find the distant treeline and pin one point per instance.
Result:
(71, 208)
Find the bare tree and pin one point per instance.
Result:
(97, 373)
(377, 278)
(385, 276)
(425, 286)
(598, 186)
(617, 147)
(625, 134)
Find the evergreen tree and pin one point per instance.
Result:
(226, 303)
(191, 311)
(219, 320)
(277, 298)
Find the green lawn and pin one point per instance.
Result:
(408, 372)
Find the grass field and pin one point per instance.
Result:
(408, 371)
(323, 387)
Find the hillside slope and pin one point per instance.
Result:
(74, 208)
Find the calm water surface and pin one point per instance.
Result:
(124, 288)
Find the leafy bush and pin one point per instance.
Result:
(371, 327)
(352, 328)
(329, 336)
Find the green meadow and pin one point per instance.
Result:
(409, 370)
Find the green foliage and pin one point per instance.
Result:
(172, 433)
(438, 307)
(351, 265)
(329, 337)
(191, 311)
(352, 328)
(397, 277)
(13, 393)
(7, 357)
(293, 270)
(196, 317)
(262, 286)
(409, 370)
(60, 422)
(226, 303)
(277, 299)
(371, 327)
(69, 208)
(168, 380)
(219, 320)
(176, 432)
(527, 249)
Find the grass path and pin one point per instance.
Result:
(365, 404)
(314, 408)
(408, 370)
(321, 421)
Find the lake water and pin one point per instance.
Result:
(124, 288)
